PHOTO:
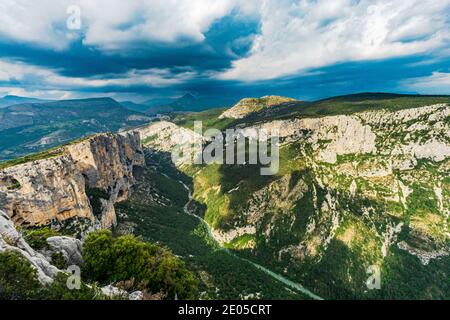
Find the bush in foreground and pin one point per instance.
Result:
(18, 279)
(108, 259)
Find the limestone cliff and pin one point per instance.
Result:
(377, 173)
(167, 137)
(412, 133)
(375, 157)
(54, 189)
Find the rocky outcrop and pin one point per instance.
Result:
(113, 292)
(375, 132)
(249, 105)
(424, 256)
(69, 247)
(329, 137)
(12, 240)
(53, 190)
(168, 137)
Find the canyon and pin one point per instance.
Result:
(354, 190)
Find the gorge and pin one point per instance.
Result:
(364, 186)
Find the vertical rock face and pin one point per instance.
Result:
(54, 189)
(45, 190)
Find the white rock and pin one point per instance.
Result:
(70, 248)
(114, 292)
(136, 295)
(11, 240)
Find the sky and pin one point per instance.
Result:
(141, 50)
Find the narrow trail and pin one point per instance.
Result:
(276, 276)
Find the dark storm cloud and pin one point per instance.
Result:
(224, 48)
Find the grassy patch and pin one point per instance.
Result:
(209, 118)
(242, 242)
(32, 157)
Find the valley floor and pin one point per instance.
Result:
(155, 211)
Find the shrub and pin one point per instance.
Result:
(58, 290)
(18, 278)
(14, 184)
(109, 260)
(95, 195)
(58, 260)
(97, 255)
(37, 239)
(171, 277)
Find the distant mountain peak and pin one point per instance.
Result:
(188, 96)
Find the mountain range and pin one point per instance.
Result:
(33, 127)
(358, 208)
(11, 99)
(186, 103)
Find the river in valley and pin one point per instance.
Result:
(293, 285)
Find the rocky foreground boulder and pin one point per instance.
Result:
(12, 240)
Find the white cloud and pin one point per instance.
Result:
(296, 35)
(299, 35)
(39, 22)
(160, 20)
(109, 24)
(33, 75)
(437, 83)
(35, 93)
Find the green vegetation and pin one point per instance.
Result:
(250, 106)
(405, 277)
(149, 139)
(366, 102)
(343, 105)
(58, 290)
(209, 118)
(32, 157)
(19, 282)
(221, 274)
(170, 188)
(37, 238)
(18, 278)
(109, 259)
(95, 195)
(338, 269)
(241, 242)
(14, 185)
(57, 259)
